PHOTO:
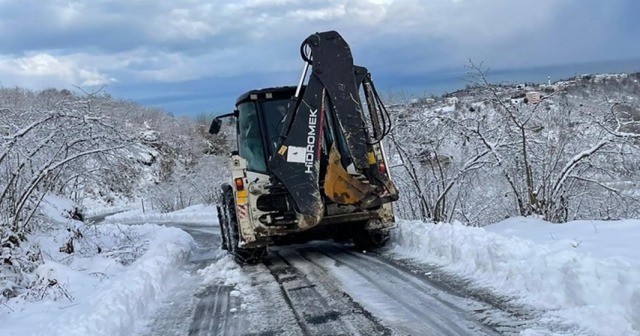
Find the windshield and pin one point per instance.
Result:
(272, 115)
(273, 112)
(250, 138)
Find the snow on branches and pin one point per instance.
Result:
(89, 145)
(47, 137)
(490, 153)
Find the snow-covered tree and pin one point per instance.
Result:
(89, 145)
(494, 155)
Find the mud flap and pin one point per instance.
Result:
(343, 188)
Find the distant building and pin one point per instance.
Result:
(430, 101)
(452, 100)
(533, 97)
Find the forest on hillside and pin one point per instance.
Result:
(493, 155)
(92, 146)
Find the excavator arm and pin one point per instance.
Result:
(331, 102)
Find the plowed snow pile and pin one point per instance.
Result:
(104, 286)
(195, 214)
(583, 274)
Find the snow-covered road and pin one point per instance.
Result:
(216, 297)
(519, 277)
(321, 288)
(355, 294)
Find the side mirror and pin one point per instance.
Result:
(215, 126)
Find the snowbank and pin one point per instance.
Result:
(600, 239)
(96, 207)
(57, 209)
(104, 287)
(598, 294)
(97, 212)
(224, 272)
(196, 214)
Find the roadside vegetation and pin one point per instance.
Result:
(486, 153)
(476, 156)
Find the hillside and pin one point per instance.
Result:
(494, 151)
(97, 152)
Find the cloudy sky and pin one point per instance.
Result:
(191, 56)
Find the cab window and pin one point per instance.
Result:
(250, 138)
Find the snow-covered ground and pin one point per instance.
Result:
(105, 286)
(196, 214)
(584, 274)
(599, 239)
(226, 272)
(94, 207)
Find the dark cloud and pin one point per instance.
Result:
(188, 49)
(29, 25)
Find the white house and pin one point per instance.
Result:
(533, 97)
(452, 100)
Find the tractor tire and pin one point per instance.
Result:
(242, 256)
(221, 222)
(369, 240)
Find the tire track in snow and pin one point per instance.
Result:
(492, 310)
(319, 306)
(411, 305)
(215, 313)
(193, 310)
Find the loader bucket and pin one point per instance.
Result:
(343, 188)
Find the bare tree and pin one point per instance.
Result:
(493, 156)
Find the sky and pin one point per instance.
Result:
(196, 56)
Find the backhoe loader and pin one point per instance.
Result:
(310, 162)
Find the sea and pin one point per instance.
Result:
(450, 80)
(217, 96)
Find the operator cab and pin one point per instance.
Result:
(261, 116)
